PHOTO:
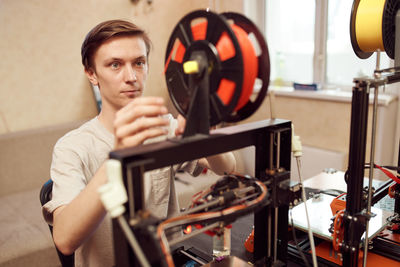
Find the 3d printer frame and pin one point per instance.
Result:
(272, 142)
(354, 219)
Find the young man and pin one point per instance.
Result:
(115, 57)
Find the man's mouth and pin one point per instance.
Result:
(132, 93)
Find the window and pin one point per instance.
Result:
(342, 64)
(309, 42)
(290, 41)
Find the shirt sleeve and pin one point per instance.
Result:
(67, 173)
(191, 167)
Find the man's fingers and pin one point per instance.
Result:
(139, 120)
(181, 125)
(127, 115)
(147, 100)
(143, 101)
(131, 115)
(139, 125)
(139, 138)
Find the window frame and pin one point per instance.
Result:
(256, 11)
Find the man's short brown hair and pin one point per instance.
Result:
(105, 31)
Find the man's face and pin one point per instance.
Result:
(120, 70)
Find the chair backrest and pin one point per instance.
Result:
(45, 196)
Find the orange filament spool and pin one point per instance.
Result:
(233, 63)
(250, 63)
(226, 51)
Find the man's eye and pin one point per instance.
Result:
(140, 63)
(115, 65)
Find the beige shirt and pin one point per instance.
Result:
(76, 158)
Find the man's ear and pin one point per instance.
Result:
(91, 74)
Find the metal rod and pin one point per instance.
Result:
(133, 241)
(244, 198)
(219, 201)
(275, 234)
(131, 199)
(203, 206)
(310, 233)
(278, 150)
(194, 233)
(371, 171)
(271, 151)
(193, 258)
(275, 240)
(378, 60)
(269, 244)
(397, 187)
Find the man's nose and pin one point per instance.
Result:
(130, 74)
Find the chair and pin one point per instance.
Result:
(45, 196)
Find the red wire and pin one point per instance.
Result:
(389, 174)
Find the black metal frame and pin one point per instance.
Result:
(354, 219)
(354, 224)
(135, 161)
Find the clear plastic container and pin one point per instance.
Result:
(222, 243)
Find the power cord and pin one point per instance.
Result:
(297, 243)
(297, 153)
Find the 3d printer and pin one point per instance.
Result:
(211, 66)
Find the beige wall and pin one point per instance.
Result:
(42, 81)
(325, 124)
(41, 78)
(319, 123)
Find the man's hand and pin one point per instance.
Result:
(181, 125)
(140, 120)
